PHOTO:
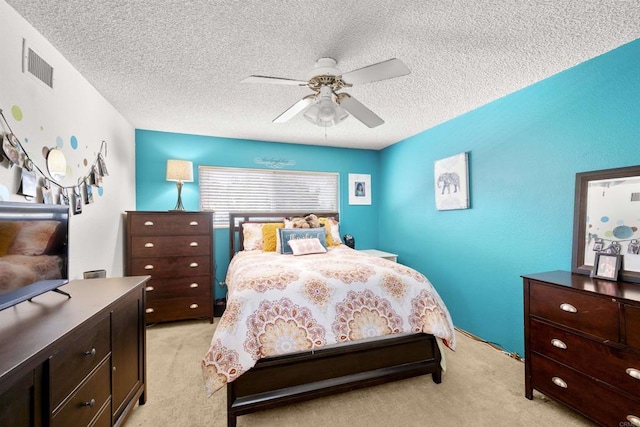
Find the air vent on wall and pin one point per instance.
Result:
(35, 66)
(635, 197)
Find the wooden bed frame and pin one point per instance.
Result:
(281, 380)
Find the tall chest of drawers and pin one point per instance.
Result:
(582, 344)
(176, 250)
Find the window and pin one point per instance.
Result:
(224, 190)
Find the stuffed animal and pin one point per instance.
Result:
(299, 222)
(313, 221)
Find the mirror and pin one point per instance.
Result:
(607, 219)
(56, 164)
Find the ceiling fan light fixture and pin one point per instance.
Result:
(312, 113)
(325, 113)
(341, 114)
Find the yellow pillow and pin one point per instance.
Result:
(326, 223)
(8, 231)
(269, 232)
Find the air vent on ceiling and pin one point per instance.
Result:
(34, 65)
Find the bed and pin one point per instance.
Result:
(301, 327)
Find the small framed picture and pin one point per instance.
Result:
(606, 266)
(598, 245)
(94, 274)
(359, 189)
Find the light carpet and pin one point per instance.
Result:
(482, 387)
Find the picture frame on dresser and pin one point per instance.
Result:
(606, 266)
(605, 207)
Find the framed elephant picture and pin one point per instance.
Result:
(451, 176)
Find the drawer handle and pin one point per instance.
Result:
(193, 306)
(633, 373)
(193, 265)
(634, 420)
(92, 352)
(559, 382)
(148, 223)
(150, 288)
(558, 343)
(148, 245)
(148, 267)
(193, 244)
(90, 403)
(149, 310)
(193, 223)
(568, 308)
(193, 285)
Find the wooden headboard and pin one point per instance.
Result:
(236, 220)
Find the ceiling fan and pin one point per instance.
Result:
(326, 106)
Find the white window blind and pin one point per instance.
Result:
(225, 190)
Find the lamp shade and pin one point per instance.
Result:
(325, 112)
(179, 170)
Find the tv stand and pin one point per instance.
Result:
(61, 292)
(78, 361)
(27, 293)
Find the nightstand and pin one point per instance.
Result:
(381, 254)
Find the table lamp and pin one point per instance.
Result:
(179, 171)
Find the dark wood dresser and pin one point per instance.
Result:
(176, 250)
(582, 344)
(77, 361)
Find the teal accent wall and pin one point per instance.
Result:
(524, 151)
(154, 193)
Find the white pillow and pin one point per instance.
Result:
(252, 235)
(306, 246)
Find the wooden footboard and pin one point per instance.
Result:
(287, 379)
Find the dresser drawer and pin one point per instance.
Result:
(76, 359)
(83, 406)
(594, 315)
(621, 369)
(578, 391)
(632, 326)
(161, 310)
(155, 246)
(171, 266)
(104, 418)
(175, 223)
(196, 286)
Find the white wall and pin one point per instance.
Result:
(50, 118)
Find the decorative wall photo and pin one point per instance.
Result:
(452, 182)
(359, 189)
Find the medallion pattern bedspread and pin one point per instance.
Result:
(279, 304)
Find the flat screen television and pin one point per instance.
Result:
(34, 250)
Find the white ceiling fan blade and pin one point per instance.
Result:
(359, 111)
(274, 80)
(294, 109)
(376, 72)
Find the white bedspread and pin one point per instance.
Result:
(279, 304)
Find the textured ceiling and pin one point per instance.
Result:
(176, 66)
